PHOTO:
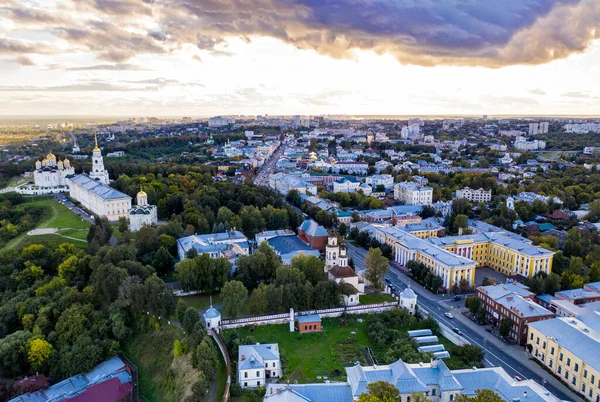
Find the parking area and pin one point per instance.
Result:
(483, 272)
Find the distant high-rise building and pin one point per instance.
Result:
(533, 128)
(543, 127)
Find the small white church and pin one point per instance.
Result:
(142, 214)
(338, 270)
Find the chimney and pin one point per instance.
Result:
(524, 394)
(243, 357)
(278, 390)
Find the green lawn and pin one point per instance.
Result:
(316, 354)
(201, 302)
(375, 298)
(48, 239)
(77, 233)
(60, 217)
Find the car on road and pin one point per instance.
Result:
(517, 378)
(457, 298)
(449, 315)
(457, 331)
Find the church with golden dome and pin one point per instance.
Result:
(142, 214)
(50, 175)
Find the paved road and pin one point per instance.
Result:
(262, 177)
(513, 359)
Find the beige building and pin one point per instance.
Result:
(570, 348)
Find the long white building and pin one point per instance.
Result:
(480, 195)
(413, 193)
(94, 193)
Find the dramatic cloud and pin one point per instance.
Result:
(425, 32)
(105, 67)
(92, 86)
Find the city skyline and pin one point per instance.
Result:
(119, 58)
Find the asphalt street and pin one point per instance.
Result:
(439, 305)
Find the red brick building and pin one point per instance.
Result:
(514, 301)
(313, 234)
(309, 323)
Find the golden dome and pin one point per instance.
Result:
(142, 193)
(50, 156)
(60, 162)
(96, 143)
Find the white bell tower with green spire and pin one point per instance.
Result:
(98, 172)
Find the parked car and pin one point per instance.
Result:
(387, 280)
(449, 315)
(457, 297)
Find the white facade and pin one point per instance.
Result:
(480, 195)
(386, 180)
(99, 198)
(257, 364)
(533, 128)
(413, 193)
(582, 128)
(50, 173)
(142, 214)
(219, 121)
(522, 144)
(98, 172)
(345, 186)
(94, 193)
(351, 167)
(408, 300)
(283, 183)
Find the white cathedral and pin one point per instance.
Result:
(338, 270)
(50, 174)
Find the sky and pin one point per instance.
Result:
(308, 57)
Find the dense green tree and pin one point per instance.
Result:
(233, 295)
(376, 266)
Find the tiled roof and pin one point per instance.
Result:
(342, 272)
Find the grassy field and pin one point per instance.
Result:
(316, 354)
(61, 218)
(375, 298)
(308, 356)
(201, 302)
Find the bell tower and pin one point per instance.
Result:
(98, 172)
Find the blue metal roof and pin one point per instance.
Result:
(309, 318)
(325, 392)
(102, 190)
(287, 244)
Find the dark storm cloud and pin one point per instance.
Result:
(426, 32)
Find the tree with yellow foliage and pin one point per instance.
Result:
(38, 353)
